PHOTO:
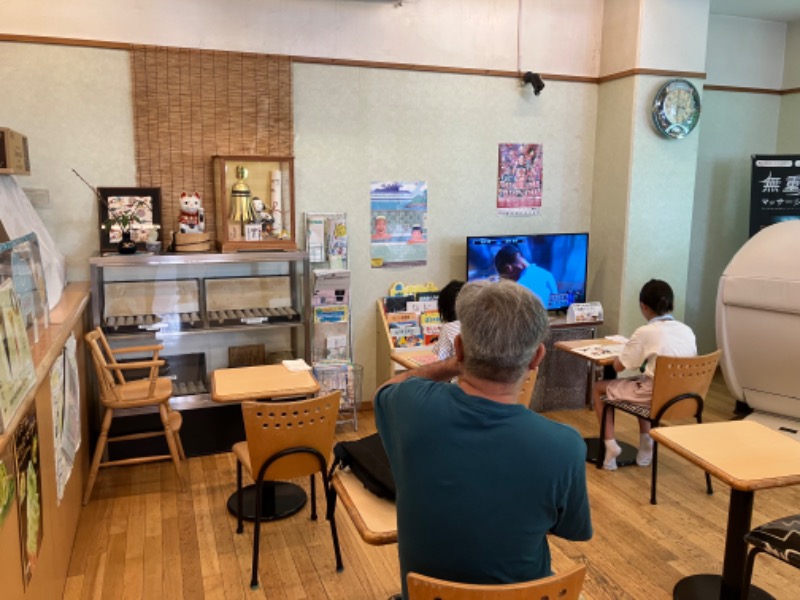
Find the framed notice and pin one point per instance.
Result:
(774, 190)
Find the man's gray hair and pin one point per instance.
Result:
(502, 325)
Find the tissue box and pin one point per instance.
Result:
(14, 158)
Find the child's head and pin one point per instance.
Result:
(447, 301)
(657, 296)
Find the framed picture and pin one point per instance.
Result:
(144, 203)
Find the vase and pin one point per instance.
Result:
(126, 245)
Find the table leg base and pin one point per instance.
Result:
(628, 456)
(279, 499)
(709, 587)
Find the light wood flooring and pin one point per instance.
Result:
(141, 538)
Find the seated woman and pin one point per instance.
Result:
(661, 336)
(451, 326)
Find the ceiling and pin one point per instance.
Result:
(769, 10)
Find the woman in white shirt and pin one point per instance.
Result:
(661, 336)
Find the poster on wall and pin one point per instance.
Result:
(399, 215)
(774, 190)
(29, 485)
(16, 365)
(519, 181)
(64, 393)
(7, 481)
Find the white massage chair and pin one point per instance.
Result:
(758, 326)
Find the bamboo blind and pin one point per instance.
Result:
(189, 105)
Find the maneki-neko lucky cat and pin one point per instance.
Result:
(192, 218)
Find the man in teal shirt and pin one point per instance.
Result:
(482, 480)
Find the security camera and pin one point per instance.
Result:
(535, 80)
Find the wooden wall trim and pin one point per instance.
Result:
(739, 89)
(57, 41)
(370, 64)
(33, 39)
(660, 72)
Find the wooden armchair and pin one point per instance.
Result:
(679, 389)
(117, 393)
(287, 440)
(564, 586)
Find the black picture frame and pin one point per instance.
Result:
(114, 198)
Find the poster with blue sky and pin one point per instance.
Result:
(399, 236)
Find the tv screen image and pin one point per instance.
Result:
(553, 266)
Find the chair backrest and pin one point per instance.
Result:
(679, 375)
(563, 586)
(271, 427)
(526, 391)
(101, 358)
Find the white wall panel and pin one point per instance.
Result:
(733, 127)
(745, 52)
(557, 37)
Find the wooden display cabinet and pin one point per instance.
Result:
(270, 179)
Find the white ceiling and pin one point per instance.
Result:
(768, 10)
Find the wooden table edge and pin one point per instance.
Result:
(374, 538)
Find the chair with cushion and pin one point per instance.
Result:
(680, 386)
(563, 586)
(287, 440)
(119, 394)
(779, 538)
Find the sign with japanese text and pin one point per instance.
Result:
(774, 190)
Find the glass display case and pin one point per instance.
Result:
(209, 311)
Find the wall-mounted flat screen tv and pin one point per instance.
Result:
(553, 266)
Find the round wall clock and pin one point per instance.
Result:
(676, 108)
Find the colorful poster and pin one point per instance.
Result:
(519, 183)
(16, 365)
(29, 485)
(399, 224)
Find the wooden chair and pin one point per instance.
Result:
(680, 386)
(528, 385)
(117, 393)
(564, 586)
(287, 440)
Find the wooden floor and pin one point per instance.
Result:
(141, 538)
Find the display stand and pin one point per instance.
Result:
(331, 341)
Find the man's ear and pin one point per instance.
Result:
(458, 346)
(538, 357)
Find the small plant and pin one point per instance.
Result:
(124, 216)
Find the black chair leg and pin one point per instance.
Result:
(654, 474)
(748, 572)
(256, 535)
(313, 486)
(330, 510)
(239, 503)
(709, 489)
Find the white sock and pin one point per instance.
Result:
(645, 453)
(612, 452)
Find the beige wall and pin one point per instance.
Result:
(354, 126)
(74, 105)
(734, 126)
(556, 37)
